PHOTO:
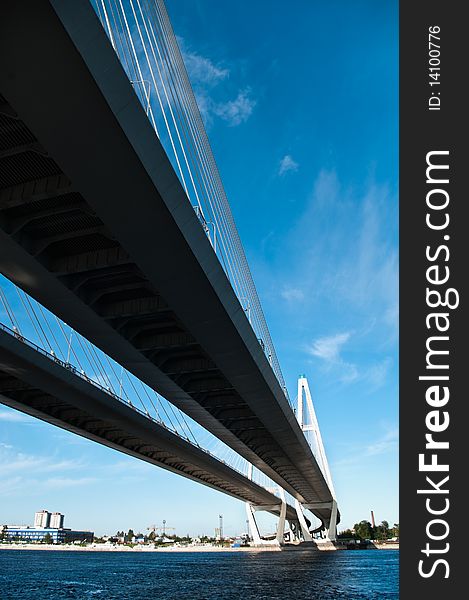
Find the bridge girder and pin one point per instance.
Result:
(131, 210)
(42, 387)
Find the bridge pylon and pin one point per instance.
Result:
(253, 527)
(307, 419)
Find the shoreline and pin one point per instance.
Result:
(139, 549)
(104, 548)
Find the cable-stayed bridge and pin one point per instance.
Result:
(114, 218)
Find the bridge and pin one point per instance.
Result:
(97, 224)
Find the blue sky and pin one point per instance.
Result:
(300, 105)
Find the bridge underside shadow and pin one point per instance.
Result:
(41, 386)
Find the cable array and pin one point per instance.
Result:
(34, 324)
(31, 323)
(142, 37)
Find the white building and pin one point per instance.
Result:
(57, 520)
(42, 518)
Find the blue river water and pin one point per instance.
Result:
(53, 575)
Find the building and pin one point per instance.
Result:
(42, 518)
(12, 533)
(47, 527)
(57, 521)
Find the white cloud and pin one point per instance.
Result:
(20, 471)
(18, 462)
(236, 111)
(370, 275)
(64, 482)
(11, 485)
(328, 348)
(205, 104)
(347, 240)
(387, 442)
(13, 416)
(205, 75)
(348, 372)
(377, 374)
(202, 70)
(292, 294)
(287, 164)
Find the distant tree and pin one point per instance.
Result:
(364, 530)
(47, 539)
(205, 539)
(381, 532)
(395, 530)
(129, 536)
(152, 536)
(346, 534)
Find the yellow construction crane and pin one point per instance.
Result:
(163, 529)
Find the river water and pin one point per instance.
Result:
(52, 575)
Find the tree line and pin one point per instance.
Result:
(364, 530)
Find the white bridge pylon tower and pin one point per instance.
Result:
(253, 527)
(308, 421)
(299, 529)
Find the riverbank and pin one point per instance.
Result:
(122, 548)
(194, 548)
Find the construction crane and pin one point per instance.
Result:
(163, 529)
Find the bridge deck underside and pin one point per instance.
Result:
(38, 386)
(109, 242)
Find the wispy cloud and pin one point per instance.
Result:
(347, 262)
(328, 348)
(21, 463)
(20, 471)
(373, 274)
(66, 482)
(12, 416)
(27, 463)
(347, 241)
(385, 443)
(292, 294)
(202, 70)
(377, 374)
(226, 102)
(11, 485)
(287, 164)
(236, 111)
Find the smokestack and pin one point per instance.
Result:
(372, 519)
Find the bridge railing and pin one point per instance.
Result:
(142, 37)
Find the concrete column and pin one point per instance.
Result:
(256, 538)
(301, 518)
